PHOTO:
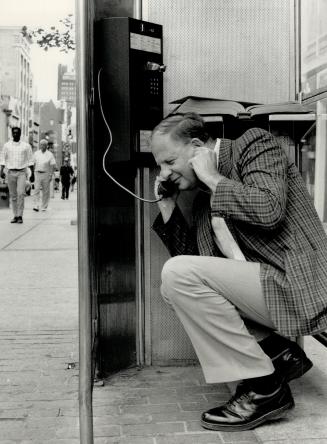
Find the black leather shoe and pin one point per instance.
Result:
(19, 220)
(247, 410)
(14, 220)
(291, 363)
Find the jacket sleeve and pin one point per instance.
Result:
(259, 196)
(177, 236)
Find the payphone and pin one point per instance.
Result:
(130, 81)
(128, 104)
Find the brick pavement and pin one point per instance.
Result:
(162, 405)
(38, 326)
(159, 405)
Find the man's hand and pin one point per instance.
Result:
(204, 163)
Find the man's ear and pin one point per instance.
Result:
(196, 142)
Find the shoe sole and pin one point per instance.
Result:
(275, 414)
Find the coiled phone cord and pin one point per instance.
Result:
(108, 149)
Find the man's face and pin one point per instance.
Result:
(16, 134)
(43, 147)
(173, 158)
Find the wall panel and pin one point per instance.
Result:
(236, 49)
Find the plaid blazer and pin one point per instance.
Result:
(270, 214)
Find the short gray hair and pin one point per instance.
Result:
(183, 127)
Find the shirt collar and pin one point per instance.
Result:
(224, 156)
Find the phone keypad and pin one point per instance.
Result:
(154, 86)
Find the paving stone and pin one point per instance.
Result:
(299, 441)
(245, 437)
(8, 441)
(111, 410)
(107, 430)
(160, 399)
(153, 429)
(175, 416)
(125, 440)
(204, 389)
(50, 441)
(195, 406)
(122, 419)
(13, 414)
(190, 438)
(194, 426)
(151, 408)
(153, 391)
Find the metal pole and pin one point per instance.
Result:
(85, 314)
(137, 13)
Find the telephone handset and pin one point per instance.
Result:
(167, 188)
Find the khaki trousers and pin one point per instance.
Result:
(211, 296)
(42, 180)
(16, 186)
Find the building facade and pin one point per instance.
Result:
(66, 85)
(50, 118)
(16, 78)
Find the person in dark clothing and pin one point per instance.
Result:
(66, 173)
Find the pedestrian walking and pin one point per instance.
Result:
(44, 165)
(66, 174)
(16, 156)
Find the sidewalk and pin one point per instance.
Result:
(39, 325)
(163, 406)
(39, 360)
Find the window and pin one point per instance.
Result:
(313, 45)
(313, 75)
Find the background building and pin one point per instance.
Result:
(16, 78)
(67, 97)
(66, 85)
(50, 118)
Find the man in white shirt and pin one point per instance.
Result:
(44, 166)
(16, 156)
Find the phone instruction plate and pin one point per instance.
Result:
(145, 141)
(145, 43)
